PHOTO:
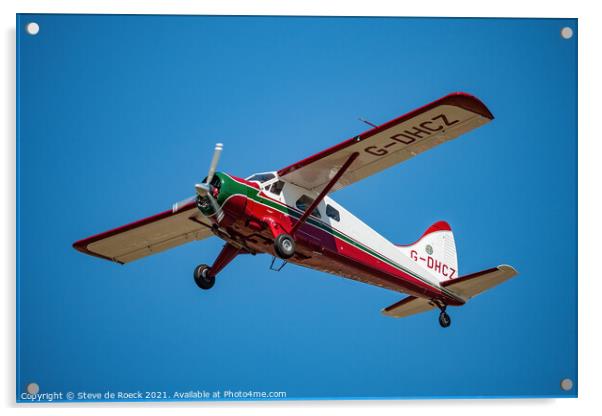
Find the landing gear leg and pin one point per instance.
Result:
(204, 276)
(444, 319)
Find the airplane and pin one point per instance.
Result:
(290, 215)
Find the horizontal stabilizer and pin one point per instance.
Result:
(408, 306)
(465, 287)
(472, 284)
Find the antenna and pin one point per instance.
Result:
(367, 122)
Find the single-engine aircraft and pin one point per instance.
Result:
(290, 215)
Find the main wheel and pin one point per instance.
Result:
(444, 320)
(203, 277)
(284, 245)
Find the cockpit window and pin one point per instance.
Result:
(276, 187)
(261, 177)
(304, 202)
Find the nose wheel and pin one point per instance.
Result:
(203, 276)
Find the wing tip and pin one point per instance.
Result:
(468, 102)
(507, 268)
(82, 247)
(384, 312)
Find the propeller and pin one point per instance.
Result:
(204, 188)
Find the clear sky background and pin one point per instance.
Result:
(117, 118)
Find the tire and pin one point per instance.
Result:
(444, 320)
(284, 245)
(203, 277)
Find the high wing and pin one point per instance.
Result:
(390, 143)
(148, 236)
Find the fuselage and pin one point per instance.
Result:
(331, 240)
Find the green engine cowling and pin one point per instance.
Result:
(224, 190)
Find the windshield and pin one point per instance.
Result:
(261, 177)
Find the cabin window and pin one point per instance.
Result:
(305, 202)
(333, 213)
(276, 187)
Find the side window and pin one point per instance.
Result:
(304, 202)
(276, 187)
(333, 213)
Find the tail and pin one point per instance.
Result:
(435, 251)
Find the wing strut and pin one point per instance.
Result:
(325, 191)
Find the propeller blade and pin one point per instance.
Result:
(178, 205)
(216, 154)
(201, 189)
(216, 207)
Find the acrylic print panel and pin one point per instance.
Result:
(118, 117)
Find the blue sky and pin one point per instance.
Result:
(117, 118)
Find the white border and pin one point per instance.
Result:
(590, 210)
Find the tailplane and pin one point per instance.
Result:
(471, 285)
(465, 287)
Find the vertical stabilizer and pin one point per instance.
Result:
(435, 251)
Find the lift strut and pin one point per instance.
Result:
(325, 191)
